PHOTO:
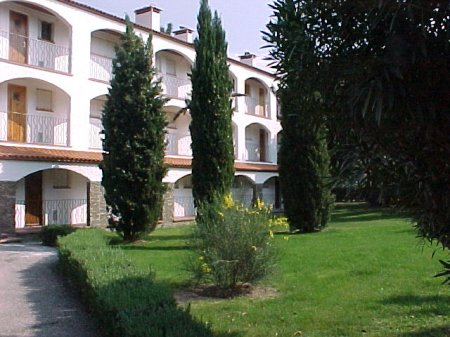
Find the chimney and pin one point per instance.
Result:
(149, 17)
(247, 58)
(184, 34)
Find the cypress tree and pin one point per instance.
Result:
(134, 127)
(211, 130)
(303, 156)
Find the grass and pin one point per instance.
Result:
(365, 275)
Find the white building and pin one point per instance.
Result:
(55, 68)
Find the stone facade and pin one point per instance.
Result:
(98, 216)
(167, 211)
(7, 206)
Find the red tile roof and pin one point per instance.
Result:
(70, 156)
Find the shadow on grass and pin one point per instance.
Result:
(158, 248)
(152, 238)
(440, 331)
(422, 305)
(363, 213)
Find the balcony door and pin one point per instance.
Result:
(262, 145)
(17, 109)
(18, 39)
(33, 199)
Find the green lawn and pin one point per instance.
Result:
(365, 275)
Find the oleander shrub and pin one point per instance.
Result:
(125, 300)
(49, 234)
(232, 244)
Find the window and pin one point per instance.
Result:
(61, 179)
(171, 68)
(44, 100)
(46, 31)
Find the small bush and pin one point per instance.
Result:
(49, 234)
(125, 300)
(232, 244)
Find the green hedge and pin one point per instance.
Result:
(125, 300)
(49, 234)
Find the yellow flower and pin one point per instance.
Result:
(220, 214)
(271, 234)
(205, 268)
(228, 201)
(286, 238)
(201, 258)
(254, 248)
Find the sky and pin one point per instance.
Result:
(243, 20)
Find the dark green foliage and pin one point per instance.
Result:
(210, 108)
(446, 272)
(134, 123)
(303, 156)
(124, 300)
(49, 234)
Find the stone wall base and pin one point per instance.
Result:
(7, 206)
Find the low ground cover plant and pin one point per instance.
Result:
(49, 234)
(232, 244)
(124, 299)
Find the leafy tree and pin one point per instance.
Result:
(134, 127)
(303, 156)
(211, 130)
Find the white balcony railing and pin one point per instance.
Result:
(183, 206)
(252, 152)
(95, 136)
(254, 107)
(38, 53)
(60, 212)
(178, 144)
(101, 67)
(175, 87)
(33, 128)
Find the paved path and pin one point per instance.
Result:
(34, 301)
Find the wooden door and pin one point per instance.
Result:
(17, 113)
(262, 145)
(33, 199)
(18, 37)
(262, 102)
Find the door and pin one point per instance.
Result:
(262, 102)
(17, 109)
(262, 145)
(18, 37)
(33, 199)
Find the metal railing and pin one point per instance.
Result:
(61, 212)
(174, 86)
(183, 206)
(33, 128)
(254, 107)
(252, 152)
(38, 53)
(101, 68)
(178, 144)
(95, 137)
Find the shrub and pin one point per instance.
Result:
(125, 300)
(232, 244)
(49, 234)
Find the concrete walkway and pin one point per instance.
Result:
(34, 301)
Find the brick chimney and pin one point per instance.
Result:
(149, 17)
(184, 34)
(248, 58)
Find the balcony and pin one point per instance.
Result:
(178, 145)
(101, 68)
(175, 87)
(255, 107)
(95, 136)
(34, 52)
(252, 152)
(33, 129)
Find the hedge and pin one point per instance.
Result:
(124, 300)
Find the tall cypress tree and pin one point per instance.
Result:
(303, 156)
(211, 130)
(134, 127)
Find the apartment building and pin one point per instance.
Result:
(55, 68)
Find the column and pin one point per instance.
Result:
(98, 216)
(7, 206)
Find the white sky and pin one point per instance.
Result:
(243, 20)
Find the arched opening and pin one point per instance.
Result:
(271, 193)
(103, 43)
(178, 137)
(183, 201)
(256, 143)
(242, 190)
(53, 196)
(95, 122)
(36, 36)
(34, 112)
(173, 69)
(256, 98)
